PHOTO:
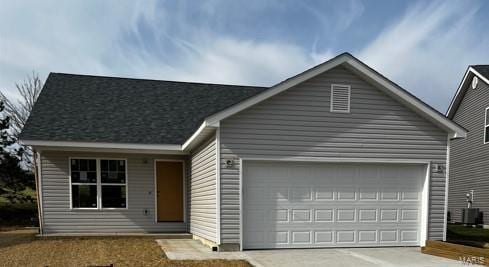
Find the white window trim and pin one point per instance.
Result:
(485, 126)
(98, 184)
(331, 98)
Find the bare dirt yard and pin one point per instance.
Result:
(22, 248)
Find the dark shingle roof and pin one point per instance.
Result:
(482, 69)
(121, 110)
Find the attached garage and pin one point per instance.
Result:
(337, 156)
(297, 204)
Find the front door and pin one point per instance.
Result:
(169, 194)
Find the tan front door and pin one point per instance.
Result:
(169, 195)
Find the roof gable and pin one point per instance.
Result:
(352, 63)
(481, 71)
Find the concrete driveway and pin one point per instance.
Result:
(405, 256)
(187, 249)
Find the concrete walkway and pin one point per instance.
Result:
(349, 257)
(188, 249)
(342, 257)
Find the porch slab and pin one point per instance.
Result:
(184, 249)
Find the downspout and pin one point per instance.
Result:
(38, 182)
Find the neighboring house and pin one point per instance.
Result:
(335, 156)
(470, 156)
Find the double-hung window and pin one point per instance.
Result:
(84, 183)
(486, 126)
(98, 183)
(113, 183)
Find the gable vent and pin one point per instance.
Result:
(340, 98)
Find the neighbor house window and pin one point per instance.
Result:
(340, 98)
(98, 183)
(486, 126)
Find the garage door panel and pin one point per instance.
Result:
(297, 214)
(324, 193)
(290, 205)
(367, 236)
(333, 238)
(323, 215)
(367, 215)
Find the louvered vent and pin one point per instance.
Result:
(340, 98)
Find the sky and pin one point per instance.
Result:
(424, 46)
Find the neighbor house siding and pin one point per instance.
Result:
(202, 192)
(298, 124)
(469, 157)
(58, 218)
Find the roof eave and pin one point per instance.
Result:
(203, 132)
(454, 130)
(457, 98)
(43, 145)
(280, 87)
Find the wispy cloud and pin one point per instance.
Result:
(426, 49)
(429, 48)
(136, 39)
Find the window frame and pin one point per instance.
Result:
(486, 125)
(331, 109)
(98, 184)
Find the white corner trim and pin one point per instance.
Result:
(447, 184)
(425, 207)
(462, 85)
(486, 125)
(218, 186)
(241, 204)
(39, 192)
(101, 145)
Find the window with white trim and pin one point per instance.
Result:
(486, 126)
(83, 183)
(98, 183)
(113, 182)
(340, 98)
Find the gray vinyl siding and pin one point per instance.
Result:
(58, 218)
(469, 157)
(297, 123)
(202, 192)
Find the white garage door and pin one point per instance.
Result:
(297, 205)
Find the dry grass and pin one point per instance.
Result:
(25, 250)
